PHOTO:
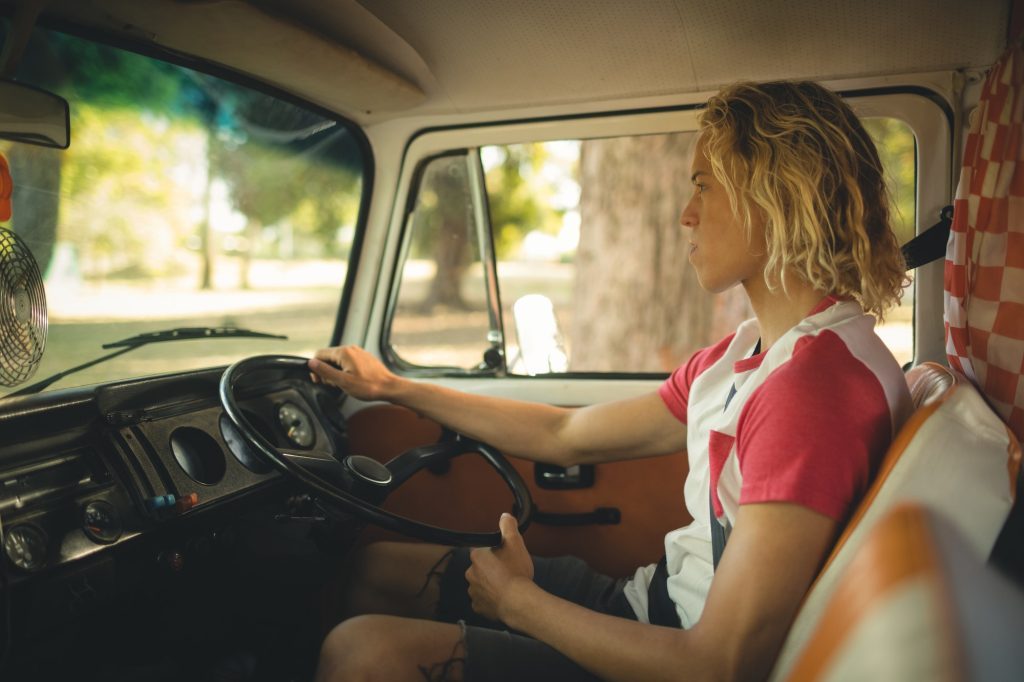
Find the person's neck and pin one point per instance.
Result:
(778, 311)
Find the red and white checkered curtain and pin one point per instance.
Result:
(984, 276)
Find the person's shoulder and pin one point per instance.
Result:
(839, 369)
(706, 357)
(826, 357)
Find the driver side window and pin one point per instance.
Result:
(590, 262)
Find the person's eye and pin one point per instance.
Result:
(700, 187)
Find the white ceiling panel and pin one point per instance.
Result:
(379, 59)
(488, 54)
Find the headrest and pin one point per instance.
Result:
(916, 603)
(955, 456)
(928, 382)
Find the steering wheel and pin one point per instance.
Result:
(359, 484)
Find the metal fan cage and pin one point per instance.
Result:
(23, 321)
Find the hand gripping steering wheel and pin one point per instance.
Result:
(359, 484)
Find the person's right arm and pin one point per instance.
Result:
(624, 429)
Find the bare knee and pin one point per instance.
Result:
(395, 578)
(372, 648)
(353, 650)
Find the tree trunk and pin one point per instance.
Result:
(449, 228)
(637, 305)
(252, 233)
(451, 254)
(205, 232)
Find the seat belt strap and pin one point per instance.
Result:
(720, 533)
(930, 245)
(661, 610)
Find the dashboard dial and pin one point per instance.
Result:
(25, 546)
(101, 522)
(296, 424)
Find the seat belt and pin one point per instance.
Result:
(661, 610)
(720, 533)
(930, 245)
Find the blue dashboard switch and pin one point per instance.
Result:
(160, 502)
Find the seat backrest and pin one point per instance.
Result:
(954, 455)
(915, 603)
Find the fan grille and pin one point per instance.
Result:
(23, 321)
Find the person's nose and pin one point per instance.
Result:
(689, 217)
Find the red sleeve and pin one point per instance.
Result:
(675, 392)
(814, 431)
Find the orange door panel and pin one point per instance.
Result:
(470, 496)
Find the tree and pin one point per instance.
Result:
(518, 203)
(637, 302)
(444, 227)
(894, 140)
(79, 71)
(279, 160)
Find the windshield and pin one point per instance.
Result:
(184, 200)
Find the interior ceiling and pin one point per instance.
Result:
(378, 59)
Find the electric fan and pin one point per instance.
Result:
(22, 311)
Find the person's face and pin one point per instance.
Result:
(719, 250)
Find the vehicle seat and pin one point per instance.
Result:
(916, 603)
(954, 457)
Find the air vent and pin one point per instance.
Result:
(31, 484)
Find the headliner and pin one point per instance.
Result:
(375, 60)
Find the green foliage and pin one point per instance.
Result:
(898, 150)
(519, 197)
(146, 136)
(125, 191)
(270, 183)
(82, 71)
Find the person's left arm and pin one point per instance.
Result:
(773, 555)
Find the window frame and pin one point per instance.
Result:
(488, 259)
(924, 109)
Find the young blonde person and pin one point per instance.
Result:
(783, 421)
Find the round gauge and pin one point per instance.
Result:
(297, 425)
(240, 447)
(101, 522)
(25, 546)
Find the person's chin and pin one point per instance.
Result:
(714, 285)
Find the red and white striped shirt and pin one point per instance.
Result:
(810, 420)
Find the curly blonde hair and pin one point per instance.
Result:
(798, 155)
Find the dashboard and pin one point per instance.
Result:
(83, 471)
(143, 536)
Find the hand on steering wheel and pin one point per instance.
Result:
(358, 484)
(354, 371)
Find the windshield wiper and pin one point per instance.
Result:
(139, 340)
(183, 333)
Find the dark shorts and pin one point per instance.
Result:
(493, 653)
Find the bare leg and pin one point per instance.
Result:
(395, 578)
(394, 649)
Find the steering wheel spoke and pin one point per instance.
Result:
(325, 467)
(411, 461)
(359, 484)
